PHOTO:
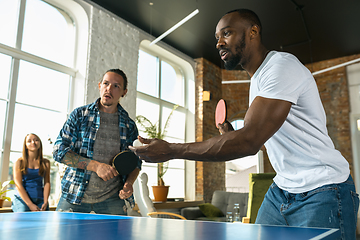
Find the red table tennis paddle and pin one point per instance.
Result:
(220, 112)
(125, 162)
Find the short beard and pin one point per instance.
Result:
(233, 62)
(236, 59)
(105, 103)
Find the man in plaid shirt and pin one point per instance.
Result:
(88, 141)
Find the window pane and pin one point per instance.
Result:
(47, 33)
(9, 10)
(42, 87)
(147, 109)
(172, 86)
(176, 164)
(5, 67)
(176, 124)
(172, 90)
(175, 179)
(237, 124)
(46, 124)
(147, 74)
(2, 121)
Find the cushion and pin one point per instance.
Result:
(259, 184)
(210, 210)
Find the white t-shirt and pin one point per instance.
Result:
(301, 152)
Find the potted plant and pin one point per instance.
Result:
(3, 191)
(155, 131)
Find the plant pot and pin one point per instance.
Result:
(160, 193)
(1, 202)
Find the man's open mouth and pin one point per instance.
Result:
(223, 54)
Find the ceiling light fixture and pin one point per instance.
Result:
(175, 26)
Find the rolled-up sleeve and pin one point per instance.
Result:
(67, 137)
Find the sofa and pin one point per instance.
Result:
(222, 202)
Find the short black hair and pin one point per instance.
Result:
(250, 16)
(120, 72)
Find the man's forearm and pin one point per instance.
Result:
(132, 176)
(73, 159)
(216, 149)
(104, 171)
(226, 147)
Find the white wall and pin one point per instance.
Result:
(113, 44)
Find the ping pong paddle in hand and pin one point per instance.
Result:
(220, 112)
(125, 162)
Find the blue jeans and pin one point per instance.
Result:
(18, 205)
(329, 206)
(113, 205)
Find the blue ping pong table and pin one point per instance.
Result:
(67, 226)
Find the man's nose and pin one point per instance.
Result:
(220, 42)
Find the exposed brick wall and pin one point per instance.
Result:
(333, 89)
(334, 93)
(209, 176)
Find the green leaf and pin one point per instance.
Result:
(3, 186)
(6, 198)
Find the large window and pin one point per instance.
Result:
(161, 85)
(37, 42)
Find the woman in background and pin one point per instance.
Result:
(32, 177)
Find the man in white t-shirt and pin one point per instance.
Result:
(313, 186)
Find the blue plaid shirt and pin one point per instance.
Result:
(78, 134)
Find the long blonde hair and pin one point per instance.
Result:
(24, 160)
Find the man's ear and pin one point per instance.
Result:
(124, 93)
(99, 85)
(254, 31)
